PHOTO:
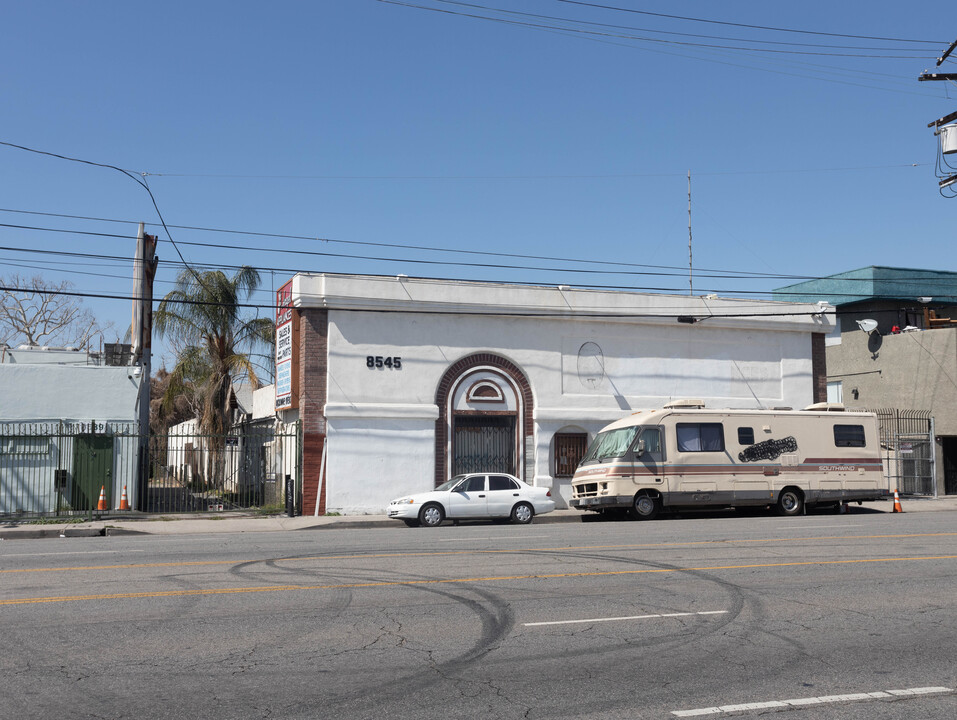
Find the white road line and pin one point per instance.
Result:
(629, 617)
(797, 702)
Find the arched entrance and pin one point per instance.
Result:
(485, 418)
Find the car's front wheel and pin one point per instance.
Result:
(432, 515)
(522, 513)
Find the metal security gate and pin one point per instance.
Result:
(907, 442)
(61, 469)
(248, 468)
(483, 443)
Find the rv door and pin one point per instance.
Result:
(648, 466)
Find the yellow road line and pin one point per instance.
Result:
(441, 581)
(443, 553)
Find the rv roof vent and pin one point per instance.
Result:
(685, 404)
(826, 407)
(782, 407)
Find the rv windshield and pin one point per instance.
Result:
(610, 444)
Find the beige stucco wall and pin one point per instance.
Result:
(912, 371)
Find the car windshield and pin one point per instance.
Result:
(449, 484)
(610, 444)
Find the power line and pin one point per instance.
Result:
(654, 269)
(681, 312)
(141, 181)
(727, 293)
(575, 21)
(540, 26)
(744, 25)
(657, 269)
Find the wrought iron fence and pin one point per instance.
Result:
(907, 442)
(64, 468)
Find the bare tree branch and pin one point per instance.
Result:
(36, 312)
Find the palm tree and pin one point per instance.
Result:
(203, 316)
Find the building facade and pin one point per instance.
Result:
(401, 383)
(69, 429)
(894, 350)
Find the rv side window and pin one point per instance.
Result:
(651, 438)
(745, 436)
(849, 436)
(700, 437)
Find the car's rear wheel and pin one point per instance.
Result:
(523, 513)
(432, 515)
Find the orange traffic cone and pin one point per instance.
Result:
(897, 503)
(101, 505)
(124, 502)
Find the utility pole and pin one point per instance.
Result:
(690, 265)
(946, 134)
(144, 270)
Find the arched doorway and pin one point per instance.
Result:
(485, 418)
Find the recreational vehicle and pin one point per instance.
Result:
(686, 455)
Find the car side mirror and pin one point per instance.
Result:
(640, 448)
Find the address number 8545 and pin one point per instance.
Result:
(378, 361)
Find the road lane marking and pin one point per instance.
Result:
(468, 539)
(800, 702)
(441, 581)
(629, 617)
(71, 552)
(446, 553)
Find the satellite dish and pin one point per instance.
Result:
(867, 326)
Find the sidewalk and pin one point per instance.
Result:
(127, 524)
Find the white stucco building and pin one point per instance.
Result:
(69, 426)
(401, 383)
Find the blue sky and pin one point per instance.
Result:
(371, 122)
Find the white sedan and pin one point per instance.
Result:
(474, 496)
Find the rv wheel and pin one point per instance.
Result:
(646, 507)
(790, 502)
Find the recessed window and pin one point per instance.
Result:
(745, 436)
(700, 437)
(849, 436)
(569, 451)
(24, 445)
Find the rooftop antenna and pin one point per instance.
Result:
(690, 266)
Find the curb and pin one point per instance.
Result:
(150, 525)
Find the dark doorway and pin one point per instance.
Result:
(949, 449)
(483, 443)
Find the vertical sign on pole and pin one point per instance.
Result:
(287, 350)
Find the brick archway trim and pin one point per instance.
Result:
(455, 371)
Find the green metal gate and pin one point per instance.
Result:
(92, 471)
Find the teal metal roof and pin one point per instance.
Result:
(874, 283)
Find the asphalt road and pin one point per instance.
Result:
(836, 616)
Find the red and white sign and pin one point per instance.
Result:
(287, 365)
